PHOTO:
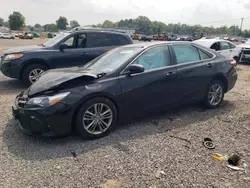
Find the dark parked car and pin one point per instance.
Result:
(127, 81)
(65, 50)
(146, 38)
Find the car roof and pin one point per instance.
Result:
(208, 42)
(98, 31)
(149, 44)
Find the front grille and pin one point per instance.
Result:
(21, 101)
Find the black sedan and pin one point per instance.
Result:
(126, 81)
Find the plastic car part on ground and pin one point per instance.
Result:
(208, 143)
(220, 157)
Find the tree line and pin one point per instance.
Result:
(16, 21)
(142, 24)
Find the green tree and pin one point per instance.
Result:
(73, 23)
(1, 21)
(144, 25)
(37, 25)
(16, 21)
(6, 24)
(107, 24)
(62, 23)
(50, 27)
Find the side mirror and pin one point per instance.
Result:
(62, 47)
(136, 68)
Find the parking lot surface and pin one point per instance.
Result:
(161, 150)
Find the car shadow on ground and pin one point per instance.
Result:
(11, 86)
(37, 149)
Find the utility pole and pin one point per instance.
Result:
(242, 19)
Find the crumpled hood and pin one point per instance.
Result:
(23, 49)
(53, 78)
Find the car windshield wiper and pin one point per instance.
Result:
(41, 45)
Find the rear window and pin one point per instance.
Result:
(121, 40)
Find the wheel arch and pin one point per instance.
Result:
(33, 61)
(89, 97)
(223, 79)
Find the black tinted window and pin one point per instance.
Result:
(81, 42)
(215, 46)
(121, 40)
(99, 40)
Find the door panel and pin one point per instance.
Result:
(76, 54)
(193, 79)
(194, 71)
(150, 90)
(155, 87)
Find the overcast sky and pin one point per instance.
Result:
(205, 12)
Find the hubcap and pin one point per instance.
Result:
(35, 74)
(97, 118)
(215, 94)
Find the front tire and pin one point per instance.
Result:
(96, 118)
(214, 94)
(32, 73)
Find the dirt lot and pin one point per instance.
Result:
(135, 153)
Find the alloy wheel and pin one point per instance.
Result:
(215, 94)
(35, 74)
(97, 118)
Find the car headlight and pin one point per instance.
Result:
(47, 101)
(12, 57)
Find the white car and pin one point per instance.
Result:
(6, 36)
(223, 47)
(245, 58)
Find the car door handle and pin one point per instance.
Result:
(170, 73)
(209, 65)
(230, 50)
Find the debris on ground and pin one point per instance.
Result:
(159, 173)
(184, 139)
(234, 160)
(112, 184)
(236, 168)
(220, 157)
(208, 143)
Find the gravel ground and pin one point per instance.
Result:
(140, 153)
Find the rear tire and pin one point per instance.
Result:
(96, 118)
(27, 73)
(214, 94)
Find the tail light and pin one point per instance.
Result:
(233, 63)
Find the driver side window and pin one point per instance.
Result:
(70, 42)
(76, 41)
(154, 58)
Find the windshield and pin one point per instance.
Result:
(55, 40)
(113, 59)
